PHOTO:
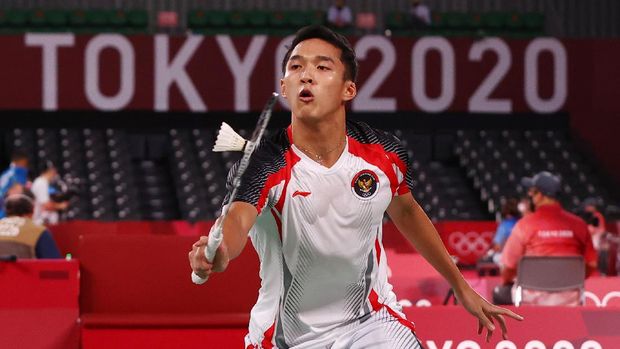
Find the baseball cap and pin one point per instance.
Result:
(545, 182)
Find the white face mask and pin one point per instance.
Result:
(522, 207)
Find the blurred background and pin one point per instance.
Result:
(116, 104)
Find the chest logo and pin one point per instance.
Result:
(365, 184)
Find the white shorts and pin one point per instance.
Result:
(383, 330)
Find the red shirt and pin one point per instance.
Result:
(549, 231)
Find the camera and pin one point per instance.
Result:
(65, 188)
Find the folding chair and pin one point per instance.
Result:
(19, 250)
(551, 274)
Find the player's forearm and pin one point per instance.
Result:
(419, 230)
(238, 222)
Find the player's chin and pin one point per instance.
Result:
(306, 113)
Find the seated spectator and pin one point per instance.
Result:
(19, 236)
(420, 14)
(510, 215)
(525, 206)
(16, 174)
(339, 15)
(549, 231)
(45, 209)
(597, 228)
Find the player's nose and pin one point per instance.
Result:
(306, 77)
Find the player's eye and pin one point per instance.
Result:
(294, 66)
(322, 67)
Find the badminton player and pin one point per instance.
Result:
(312, 202)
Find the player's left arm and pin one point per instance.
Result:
(415, 225)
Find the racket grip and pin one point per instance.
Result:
(215, 240)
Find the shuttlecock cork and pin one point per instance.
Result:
(229, 140)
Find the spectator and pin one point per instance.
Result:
(19, 235)
(46, 210)
(525, 206)
(339, 15)
(597, 228)
(420, 15)
(16, 174)
(510, 215)
(549, 231)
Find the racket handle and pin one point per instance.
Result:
(215, 240)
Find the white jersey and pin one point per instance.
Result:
(319, 237)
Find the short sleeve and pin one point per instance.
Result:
(402, 163)
(264, 171)
(514, 248)
(502, 233)
(40, 191)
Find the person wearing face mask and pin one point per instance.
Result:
(548, 231)
(510, 216)
(46, 210)
(525, 206)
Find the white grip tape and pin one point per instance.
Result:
(215, 239)
(197, 279)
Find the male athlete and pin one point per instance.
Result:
(312, 201)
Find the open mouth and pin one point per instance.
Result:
(306, 96)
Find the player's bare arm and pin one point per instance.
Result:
(414, 224)
(240, 219)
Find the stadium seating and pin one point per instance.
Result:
(251, 22)
(455, 23)
(458, 175)
(91, 20)
(497, 160)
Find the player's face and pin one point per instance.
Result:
(314, 83)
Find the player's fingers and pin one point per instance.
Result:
(508, 313)
(203, 240)
(480, 326)
(502, 325)
(487, 323)
(192, 256)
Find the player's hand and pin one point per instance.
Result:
(199, 263)
(486, 312)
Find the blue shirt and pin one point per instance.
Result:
(11, 176)
(503, 231)
(46, 246)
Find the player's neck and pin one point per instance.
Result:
(322, 141)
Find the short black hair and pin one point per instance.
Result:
(510, 208)
(18, 205)
(347, 55)
(19, 154)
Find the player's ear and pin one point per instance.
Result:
(282, 88)
(350, 91)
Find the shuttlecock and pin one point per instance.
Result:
(229, 140)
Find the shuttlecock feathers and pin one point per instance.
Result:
(229, 140)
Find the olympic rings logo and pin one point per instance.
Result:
(605, 301)
(471, 242)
